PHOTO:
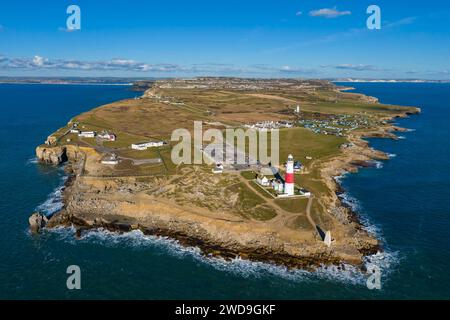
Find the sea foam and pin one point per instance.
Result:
(32, 161)
(54, 201)
(136, 240)
(378, 164)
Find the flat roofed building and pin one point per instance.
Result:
(87, 134)
(110, 159)
(146, 145)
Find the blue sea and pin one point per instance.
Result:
(405, 201)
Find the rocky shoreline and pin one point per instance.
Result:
(257, 249)
(208, 249)
(366, 159)
(219, 238)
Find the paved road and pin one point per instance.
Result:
(142, 161)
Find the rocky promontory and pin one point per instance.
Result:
(224, 214)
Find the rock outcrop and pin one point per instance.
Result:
(52, 155)
(37, 222)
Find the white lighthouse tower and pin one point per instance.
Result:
(289, 178)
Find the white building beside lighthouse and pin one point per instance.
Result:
(289, 178)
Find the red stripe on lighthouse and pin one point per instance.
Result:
(289, 178)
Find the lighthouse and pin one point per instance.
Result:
(289, 178)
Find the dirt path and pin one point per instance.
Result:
(308, 211)
(283, 216)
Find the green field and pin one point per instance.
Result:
(293, 205)
(222, 102)
(253, 205)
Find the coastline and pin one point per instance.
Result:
(69, 83)
(348, 161)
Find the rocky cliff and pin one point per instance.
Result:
(52, 155)
(59, 154)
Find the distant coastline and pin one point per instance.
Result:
(129, 81)
(70, 83)
(352, 80)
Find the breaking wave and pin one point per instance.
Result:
(32, 161)
(378, 164)
(391, 155)
(136, 240)
(339, 178)
(401, 137)
(54, 201)
(354, 204)
(349, 201)
(386, 260)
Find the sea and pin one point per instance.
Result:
(405, 201)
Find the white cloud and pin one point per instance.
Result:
(298, 13)
(128, 65)
(329, 13)
(38, 61)
(123, 62)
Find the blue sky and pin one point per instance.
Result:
(284, 38)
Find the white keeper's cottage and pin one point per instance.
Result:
(263, 181)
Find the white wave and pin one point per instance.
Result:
(386, 261)
(32, 161)
(350, 201)
(370, 227)
(339, 178)
(356, 207)
(410, 130)
(392, 155)
(136, 240)
(378, 164)
(401, 137)
(54, 201)
(245, 268)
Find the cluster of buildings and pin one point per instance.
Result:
(230, 83)
(269, 125)
(164, 99)
(104, 135)
(336, 125)
(286, 187)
